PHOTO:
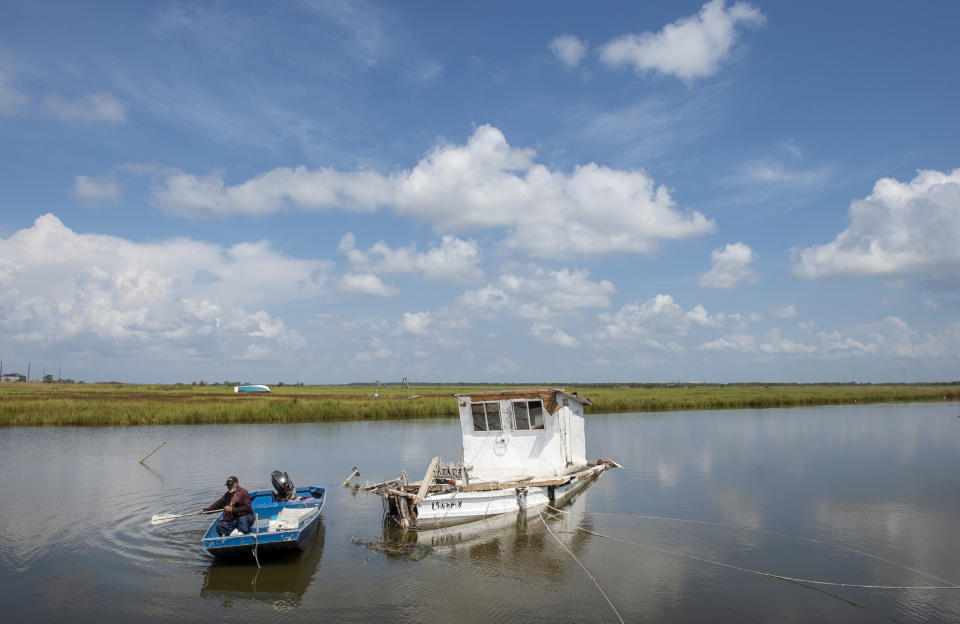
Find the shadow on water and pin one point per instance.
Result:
(282, 581)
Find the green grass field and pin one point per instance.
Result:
(38, 404)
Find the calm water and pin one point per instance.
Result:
(863, 495)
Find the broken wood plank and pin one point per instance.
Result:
(427, 478)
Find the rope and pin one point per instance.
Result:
(775, 533)
(761, 572)
(592, 577)
(256, 541)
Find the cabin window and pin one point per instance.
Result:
(528, 415)
(486, 417)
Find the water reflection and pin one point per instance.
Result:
(76, 543)
(282, 581)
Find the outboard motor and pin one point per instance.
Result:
(283, 484)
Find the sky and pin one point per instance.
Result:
(330, 192)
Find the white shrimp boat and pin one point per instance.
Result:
(522, 449)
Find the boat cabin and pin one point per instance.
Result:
(522, 433)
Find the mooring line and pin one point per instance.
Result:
(757, 572)
(592, 577)
(776, 533)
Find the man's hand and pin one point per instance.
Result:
(200, 512)
(228, 508)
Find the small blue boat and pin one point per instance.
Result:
(280, 526)
(252, 388)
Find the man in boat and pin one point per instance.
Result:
(237, 510)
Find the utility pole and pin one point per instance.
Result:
(28, 371)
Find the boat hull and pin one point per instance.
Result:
(438, 510)
(261, 537)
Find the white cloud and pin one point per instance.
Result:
(97, 107)
(774, 342)
(568, 49)
(416, 324)
(729, 267)
(786, 312)
(731, 342)
(453, 260)
(656, 317)
(12, 100)
(691, 47)
(364, 284)
(177, 296)
(901, 229)
(773, 172)
(536, 292)
(95, 189)
(593, 210)
(501, 366)
(552, 336)
(699, 316)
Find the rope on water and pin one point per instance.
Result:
(757, 572)
(592, 577)
(768, 532)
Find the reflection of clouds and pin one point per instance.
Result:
(667, 472)
(905, 534)
(736, 507)
(704, 462)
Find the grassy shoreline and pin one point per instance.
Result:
(37, 404)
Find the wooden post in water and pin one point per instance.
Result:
(153, 451)
(355, 473)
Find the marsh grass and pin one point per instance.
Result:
(35, 404)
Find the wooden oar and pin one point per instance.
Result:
(167, 517)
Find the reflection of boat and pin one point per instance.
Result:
(501, 527)
(521, 450)
(280, 526)
(283, 582)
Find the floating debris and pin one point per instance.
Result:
(413, 552)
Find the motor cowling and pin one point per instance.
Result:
(283, 485)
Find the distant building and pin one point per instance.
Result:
(10, 377)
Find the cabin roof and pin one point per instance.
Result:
(532, 393)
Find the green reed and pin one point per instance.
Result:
(120, 404)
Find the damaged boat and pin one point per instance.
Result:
(521, 449)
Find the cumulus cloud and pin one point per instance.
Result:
(535, 292)
(416, 324)
(729, 267)
(486, 183)
(95, 189)
(786, 312)
(890, 338)
(551, 336)
(94, 108)
(901, 229)
(689, 48)
(453, 260)
(647, 321)
(731, 342)
(365, 284)
(568, 49)
(774, 342)
(179, 295)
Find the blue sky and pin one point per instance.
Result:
(330, 192)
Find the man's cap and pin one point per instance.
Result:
(231, 480)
